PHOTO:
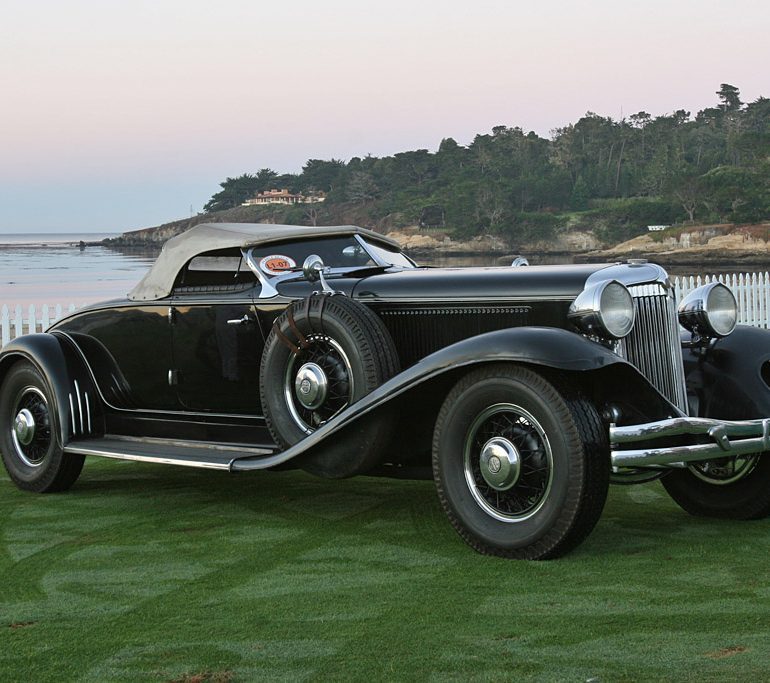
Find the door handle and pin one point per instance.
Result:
(245, 320)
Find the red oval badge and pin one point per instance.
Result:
(277, 263)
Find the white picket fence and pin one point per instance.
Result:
(752, 290)
(20, 320)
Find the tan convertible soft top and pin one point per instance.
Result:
(159, 280)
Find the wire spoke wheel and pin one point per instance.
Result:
(724, 470)
(508, 462)
(319, 383)
(736, 487)
(521, 462)
(30, 441)
(31, 426)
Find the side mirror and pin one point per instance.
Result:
(352, 251)
(313, 267)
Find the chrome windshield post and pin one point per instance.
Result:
(268, 291)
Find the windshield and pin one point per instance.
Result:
(336, 253)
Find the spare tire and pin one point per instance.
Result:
(323, 354)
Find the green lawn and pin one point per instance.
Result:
(145, 572)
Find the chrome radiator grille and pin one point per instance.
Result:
(654, 346)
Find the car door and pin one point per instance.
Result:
(217, 339)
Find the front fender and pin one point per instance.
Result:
(729, 379)
(539, 346)
(72, 391)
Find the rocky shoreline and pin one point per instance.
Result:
(687, 245)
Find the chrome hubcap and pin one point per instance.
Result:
(24, 426)
(31, 426)
(508, 463)
(500, 463)
(311, 386)
(318, 382)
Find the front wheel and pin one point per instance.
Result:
(28, 428)
(521, 467)
(729, 488)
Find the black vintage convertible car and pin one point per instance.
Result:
(525, 390)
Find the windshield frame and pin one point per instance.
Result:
(377, 252)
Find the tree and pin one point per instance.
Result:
(361, 187)
(730, 97)
(321, 175)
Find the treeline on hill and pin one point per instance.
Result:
(612, 177)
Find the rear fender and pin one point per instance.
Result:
(73, 392)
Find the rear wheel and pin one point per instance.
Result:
(30, 448)
(728, 488)
(521, 467)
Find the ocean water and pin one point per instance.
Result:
(51, 238)
(52, 269)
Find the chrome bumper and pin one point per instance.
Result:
(728, 439)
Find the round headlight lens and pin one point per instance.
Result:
(722, 310)
(605, 310)
(617, 310)
(709, 311)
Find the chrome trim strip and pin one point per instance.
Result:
(80, 407)
(84, 450)
(72, 414)
(88, 413)
(750, 436)
(513, 300)
(187, 443)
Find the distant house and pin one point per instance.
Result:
(284, 197)
(657, 228)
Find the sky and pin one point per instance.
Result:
(118, 115)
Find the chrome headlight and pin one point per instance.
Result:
(605, 310)
(709, 311)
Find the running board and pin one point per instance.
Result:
(206, 455)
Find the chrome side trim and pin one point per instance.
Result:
(748, 436)
(82, 449)
(72, 415)
(88, 412)
(80, 406)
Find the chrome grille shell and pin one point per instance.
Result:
(653, 345)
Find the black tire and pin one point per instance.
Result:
(33, 457)
(560, 443)
(355, 352)
(709, 490)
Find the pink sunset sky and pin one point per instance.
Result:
(118, 115)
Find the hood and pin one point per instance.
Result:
(478, 284)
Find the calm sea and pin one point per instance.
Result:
(53, 269)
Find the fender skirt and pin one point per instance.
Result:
(541, 346)
(74, 396)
